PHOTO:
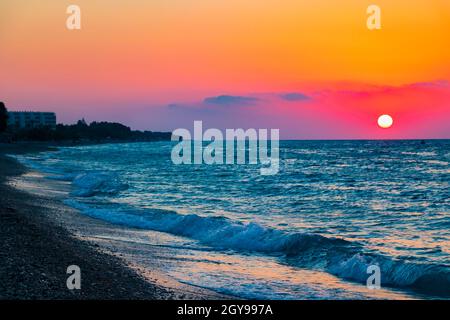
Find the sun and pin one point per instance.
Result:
(385, 121)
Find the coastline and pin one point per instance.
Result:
(39, 243)
(160, 259)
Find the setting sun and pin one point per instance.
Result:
(385, 121)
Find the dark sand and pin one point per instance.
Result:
(35, 250)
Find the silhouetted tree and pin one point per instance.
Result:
(81, 124)
(96, 131)
(3, 117)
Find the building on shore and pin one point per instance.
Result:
(29, 119)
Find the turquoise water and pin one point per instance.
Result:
(335, 207)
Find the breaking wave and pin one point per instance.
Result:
(345, 259)
(97, 183)
(325, 186)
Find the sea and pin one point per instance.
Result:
(314, 230)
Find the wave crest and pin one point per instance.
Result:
(97, 183)
(342, 258)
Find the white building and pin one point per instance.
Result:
(28, 119)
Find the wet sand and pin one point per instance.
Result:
(42, 236)
(38, 245)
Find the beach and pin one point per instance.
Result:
(140, 227)
(37, 247)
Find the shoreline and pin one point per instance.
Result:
(143, 252)
(38, 245)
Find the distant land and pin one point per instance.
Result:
(93, 132)
(81, 132)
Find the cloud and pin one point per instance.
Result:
(433, 84)
(294, 96)
(226, 100)
(174, 106)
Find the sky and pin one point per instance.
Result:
(312, 71)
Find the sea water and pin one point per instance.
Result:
(311, 231)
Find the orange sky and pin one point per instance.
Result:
(171, 51)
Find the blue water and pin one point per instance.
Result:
(334, 207)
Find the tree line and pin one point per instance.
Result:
(81, 131)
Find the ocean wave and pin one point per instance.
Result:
(35, 163)
(218, 232)
(345, 259)
(426, 278)
(97, 183)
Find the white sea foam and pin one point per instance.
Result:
(97, 183)
(293, 215)
(339, 257)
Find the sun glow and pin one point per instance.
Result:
(385, 121)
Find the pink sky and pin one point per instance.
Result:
(312, 71)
